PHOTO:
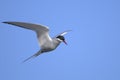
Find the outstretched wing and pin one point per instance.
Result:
(63, 33)
(42, 31)
(34, 27)
(33, 56)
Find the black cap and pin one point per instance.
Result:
(61, 37)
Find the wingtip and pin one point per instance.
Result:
(24, 61)
(8, 22)
(5, 22)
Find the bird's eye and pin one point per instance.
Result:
(61, 38)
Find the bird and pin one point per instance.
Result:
(46, 42)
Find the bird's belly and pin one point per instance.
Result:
(47, 48)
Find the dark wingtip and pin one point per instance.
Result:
(6, 22)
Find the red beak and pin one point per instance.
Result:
(65, 42)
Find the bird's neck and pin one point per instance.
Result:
(56, 42)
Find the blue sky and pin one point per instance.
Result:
(93, 51)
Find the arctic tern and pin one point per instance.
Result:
(45, 41)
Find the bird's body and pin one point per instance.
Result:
(45, 41)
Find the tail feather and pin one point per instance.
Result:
(33, 56)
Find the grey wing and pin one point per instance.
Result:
(34, 27)
(42, 31)
(63, 33)
(43, 38)
(33, 56)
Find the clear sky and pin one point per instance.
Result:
(93, 50)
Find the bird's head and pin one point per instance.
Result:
(61, 39)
